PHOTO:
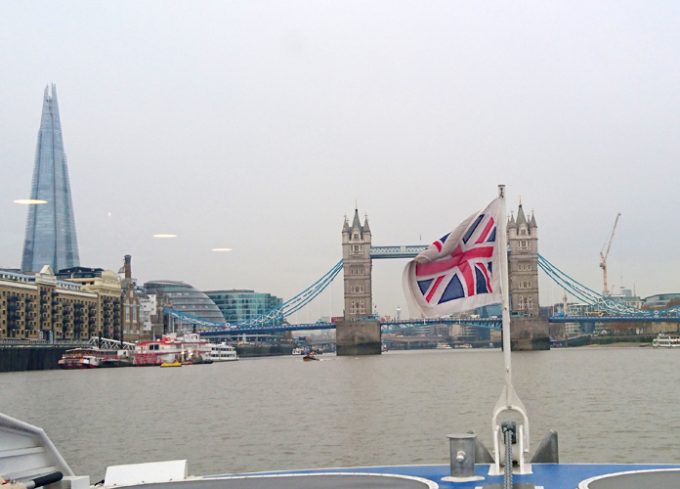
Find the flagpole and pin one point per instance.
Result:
(509, 402)
(505, 290)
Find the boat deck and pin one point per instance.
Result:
(548, 476)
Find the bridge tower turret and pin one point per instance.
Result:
(523, 264)
(356, 255)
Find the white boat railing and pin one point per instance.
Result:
(26, 452)
(111, 344)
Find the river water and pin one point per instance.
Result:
(608, 405)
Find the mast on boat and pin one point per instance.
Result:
(510, 420)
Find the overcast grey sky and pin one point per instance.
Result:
(255, 125)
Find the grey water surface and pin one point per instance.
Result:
(608, 405)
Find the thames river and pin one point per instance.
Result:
(608, 405)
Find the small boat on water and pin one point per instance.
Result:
(297, 351)
(666, 341)
(176, 363)
(309, 357)
(93, 357)
(222, 352)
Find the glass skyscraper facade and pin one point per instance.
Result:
(240, 306)
(50, 229)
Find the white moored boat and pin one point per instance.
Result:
(666, 341)
(222, 352)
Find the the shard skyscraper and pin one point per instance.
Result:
(50, 230)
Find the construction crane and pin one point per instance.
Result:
(603, 257)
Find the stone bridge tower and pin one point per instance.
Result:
(357, 333)
(529, 331)
(356, 255)
(523, 264)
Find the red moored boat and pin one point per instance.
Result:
(93, 357)
(187, 349)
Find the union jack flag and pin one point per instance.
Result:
(458, 272)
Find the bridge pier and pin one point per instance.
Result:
(529, 334)
(358, 337)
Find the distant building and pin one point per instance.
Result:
(626, 296)
(523, 264)
(50, 228)
(42, 307)
(129, 314)
(184, 298)
(81, 275)
(148, 310)
(131, 306)
(240, 306)
(661, 301)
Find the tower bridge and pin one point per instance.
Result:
(359, 332)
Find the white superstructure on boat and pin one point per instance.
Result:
(222, 352)
(666, 341)
(189, 348)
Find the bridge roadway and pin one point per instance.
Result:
(614, 319)
(388, 326)
(396, 251)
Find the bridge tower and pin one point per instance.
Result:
(523, 264)
(529, 332)
(357, 333)
(356, 256)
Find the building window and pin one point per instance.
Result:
(356, 249)
(522, 303)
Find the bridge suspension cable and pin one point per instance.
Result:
(296, 302)
(190, 319)
(589, 296)
(274, 316)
